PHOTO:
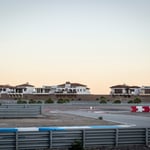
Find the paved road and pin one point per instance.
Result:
(115, 113)
(138, 121)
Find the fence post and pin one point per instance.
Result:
(116, 140)
(16, 140)
(50, 139)
(83, 138)
(41, 109)
(146, 136)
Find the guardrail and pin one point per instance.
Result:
(62, 138)
(19, 111)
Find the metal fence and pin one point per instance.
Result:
(18, 111)
(63, 139)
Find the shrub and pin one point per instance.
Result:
(39, 102)
(97, 99)
(77, 145)
(67, 100)
(61, 101)
(130, 102)
(49, 101)
(102, 97)
(137, 100)
(31, 101)
(21, 101)
(103, 101)
(117, 101)
(100, 118)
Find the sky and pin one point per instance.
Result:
(99, 43)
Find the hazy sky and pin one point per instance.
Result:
(99, 43)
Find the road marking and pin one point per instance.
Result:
(123, 123)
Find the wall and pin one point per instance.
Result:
(87, 97)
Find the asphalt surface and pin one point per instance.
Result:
(121, 114)
(138, 121)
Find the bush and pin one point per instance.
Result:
(102, 97)
(61, 101)
(77, 145)
(31, 101)
(117, 102)
(67, 100)
(103, 101)
(130, 102)
(100, 118)
(49, 101)
(21, 102)
(97, 99)
(39, 102)
(137, 100)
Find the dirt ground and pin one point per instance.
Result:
(53, 119)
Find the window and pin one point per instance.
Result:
(4, 89)
(131, 90)
(147, 91)
(118, 91)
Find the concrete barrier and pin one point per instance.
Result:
(62, 128)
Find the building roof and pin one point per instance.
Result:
(124, 86)
(134, 87)
(72, 84)
(77, 84)
(6, 86)
(25, 85)
(120, 86)
(145, 87)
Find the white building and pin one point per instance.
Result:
(17, 91)
(67, 88)
(44, 90)
(125, 90)
(25, 89)
(72, 88)
(145, 90)
(4, 89)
